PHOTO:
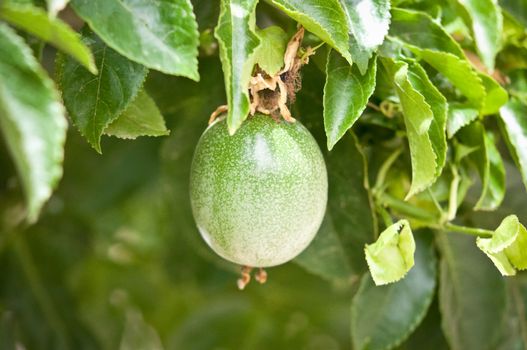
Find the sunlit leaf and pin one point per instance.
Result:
(515, 126)
(270, 53)
(32, 120)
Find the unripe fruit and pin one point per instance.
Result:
(259, 196)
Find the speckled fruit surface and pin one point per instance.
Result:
(259, 196)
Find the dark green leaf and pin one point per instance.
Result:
(94, 102)
(486, 21)
(517, 8)
(140, 118)
(383, 317)
(346, 95)
(161, 35)
(514, 124)
(368, 21)
(238, 42)
(32, 120)
(52, 30)
(419, 30)
(418, 116)
(270, 54)
(489, 164)
(472, 294)
(324, 18)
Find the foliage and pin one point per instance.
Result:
(420, 109)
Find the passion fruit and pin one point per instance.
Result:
(258, 196)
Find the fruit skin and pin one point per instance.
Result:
(259, 196)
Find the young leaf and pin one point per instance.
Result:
(507, 248)
(270, 53)
(55, 6)
(32, 120)
(468, 281)
(514, 125)
(383, 317)
(486, 21)
(418, 117)
(495, 96)
(140, 118)
(238, 42)
(392, 255)
(489, 164)
(324, 18)
(346, 94)
(52, 30)
(459, 115)
(438, 104)
(161, 35)
(94, 103)
(368, 21)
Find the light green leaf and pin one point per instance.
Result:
(368, 21)
(459, 115)
(459, 72)
(55, 6)
(517, 251)
(438, 104)
(486, 21)
(419, 30)
(238, 43)
(495, 96)
(514, 123)
(270, 54)
(418, 117)
(489, 164)
(383, 317)
(346, 94)
(94, 103)
(161, 35)
(472, 297)
(392, 255)
(32, 120)
(140, 118)
(52, 30)
(502, 238)
(324, 18)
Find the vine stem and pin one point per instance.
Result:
(468, 230)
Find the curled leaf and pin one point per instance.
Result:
(392, 255)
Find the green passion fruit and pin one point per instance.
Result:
(258, 196)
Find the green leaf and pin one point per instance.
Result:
(418, 116)
(270, 54)
(140, 118)
(392, 255)
(55, 6)
(32, 120)
(326, 256)
(362, 16)
(138, 334)
(472, 297)
(346, 94)
(489, 164)
(514, 125)
(460, 73)
(324, 18)
(161, 35)
(419, 30)
(438, 104)
(238, 43)
(459, 115)
(517, 8)
(486, 21)
(495, 96)
(94, 103)
(383, 317)
(52, 30)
